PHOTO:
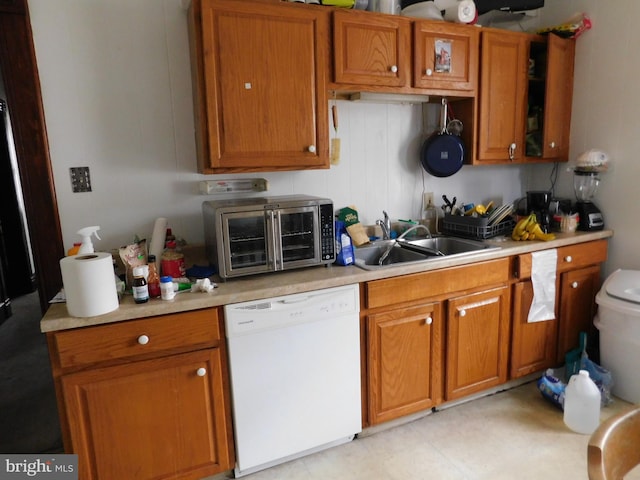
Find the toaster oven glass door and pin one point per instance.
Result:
(249, 242)
(299, 231)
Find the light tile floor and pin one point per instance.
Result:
(514, 434)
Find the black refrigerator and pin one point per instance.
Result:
(17, 274)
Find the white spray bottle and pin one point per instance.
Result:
(86, 233)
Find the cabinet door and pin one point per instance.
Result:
(405, 361)
(503, 75)
(162, 418)
(578, 289)
(371, 49)
(533, 345)
(559, 94)
(264, 74)
(477, 342)
(446, 56)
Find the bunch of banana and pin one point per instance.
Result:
(528, 228)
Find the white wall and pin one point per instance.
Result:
(116, 87)
(605, 114)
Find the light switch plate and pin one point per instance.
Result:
(80, 179)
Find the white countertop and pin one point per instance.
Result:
(295, 281)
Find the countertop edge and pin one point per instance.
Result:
(296, 281)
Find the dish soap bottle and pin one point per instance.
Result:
(430, 217)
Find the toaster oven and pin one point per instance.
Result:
(267, 234)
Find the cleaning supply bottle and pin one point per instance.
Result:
(74, 250)
(86, 233)
(582, 404)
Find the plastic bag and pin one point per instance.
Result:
(600, 376)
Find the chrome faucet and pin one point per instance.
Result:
(385, 225)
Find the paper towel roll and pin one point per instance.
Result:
(157, 239)
(89, 284)
(463, 12)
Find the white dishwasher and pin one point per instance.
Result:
(295, 375)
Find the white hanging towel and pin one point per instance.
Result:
(543, 277)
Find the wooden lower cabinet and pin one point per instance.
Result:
(152, 402)
(577, 307)
(405, 361)
(533, 345)
(477, 342)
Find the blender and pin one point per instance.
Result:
(585, 185)
(586, 178)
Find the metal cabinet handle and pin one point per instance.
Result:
(311, 149)
(428, 72)
(143, 339)
(463, 312)
(394, 68)
(574, 285)
(201, 372)
(428, 320)
(568, 259)
(512, 151)
(552, 145)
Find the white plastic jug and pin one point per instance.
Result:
(582, 404)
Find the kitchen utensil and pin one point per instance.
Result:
(335, 141)
(442, 154)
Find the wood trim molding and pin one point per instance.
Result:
(22, 85)
(13, 6)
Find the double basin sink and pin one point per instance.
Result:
(395, 252)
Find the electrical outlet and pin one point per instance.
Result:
(80, 179)
(427, 198)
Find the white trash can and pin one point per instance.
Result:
(618, 321)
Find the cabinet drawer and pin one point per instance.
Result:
(419, 286)
(145, 338)
(569, 257)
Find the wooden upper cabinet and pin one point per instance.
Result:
(558, 98)
(260, 71)
(371, 49)
(446, 57)
(503, 73)
(526, 88)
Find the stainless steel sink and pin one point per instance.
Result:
(446, 246)
(419, 250)
(368, 256)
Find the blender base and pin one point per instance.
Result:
(590, 217)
